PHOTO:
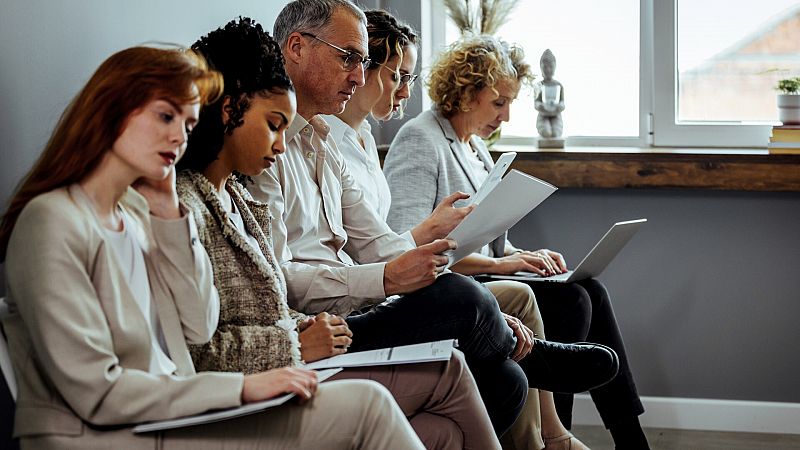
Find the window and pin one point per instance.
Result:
(601, 80)
(694, 73)
(716, 67)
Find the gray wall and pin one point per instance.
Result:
(50, 48)
(705, 293)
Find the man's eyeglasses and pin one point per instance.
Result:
(350, 59)
(405, 79)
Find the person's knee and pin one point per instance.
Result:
(597, 292)
(575, 300)
(516, 299)
(437, 431)
(366, 399)
(462, 295)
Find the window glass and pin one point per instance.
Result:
(730, 56)
(596, 45)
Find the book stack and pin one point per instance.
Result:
(785, 139)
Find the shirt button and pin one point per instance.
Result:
(307, 130)
(309, 155)
(194, 240)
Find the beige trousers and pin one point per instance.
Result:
(517, 299)
(348, 414)
(440, 399)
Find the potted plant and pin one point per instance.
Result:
(789, 101)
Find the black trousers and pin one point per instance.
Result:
(457, 307)
(582, 311)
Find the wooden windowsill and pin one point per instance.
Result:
(627, 167)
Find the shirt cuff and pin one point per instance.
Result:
(409, 237)
(366, 281)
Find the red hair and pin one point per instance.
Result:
(95, 118)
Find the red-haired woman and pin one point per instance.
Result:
(107, 284)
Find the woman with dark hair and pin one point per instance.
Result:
(472, 86)
(107, 287)
(241, 135)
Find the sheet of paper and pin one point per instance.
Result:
(216, 416)
(514, 197)
(405, 354)
(494, 178)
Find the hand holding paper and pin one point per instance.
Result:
(514, 197)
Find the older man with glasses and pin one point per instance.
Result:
(339, 256)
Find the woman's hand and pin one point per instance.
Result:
(324, 336)
(161, 195)
(269, 384)
(442, 220)
(524, 337)
(543, 262)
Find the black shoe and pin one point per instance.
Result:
(569, 368)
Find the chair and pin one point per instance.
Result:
(5, 360)
(8, 390)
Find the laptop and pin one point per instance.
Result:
(594, 263)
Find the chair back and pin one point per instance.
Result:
(5, 359)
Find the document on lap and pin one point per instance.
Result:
(224, 414)
(404, 354)
(511, 200)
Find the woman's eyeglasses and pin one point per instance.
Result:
(350, 59)
(405, 78)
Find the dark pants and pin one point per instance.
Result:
(582, 311)
(457, 307)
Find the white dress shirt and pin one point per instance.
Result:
(331, 245)
(364, 165)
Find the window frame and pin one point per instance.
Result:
(667, 132)
(658, 85)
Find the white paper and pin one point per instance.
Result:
(507, 204)
(405, 354)
(216, 416)
(494, 178)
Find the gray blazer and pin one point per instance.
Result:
(424, 165)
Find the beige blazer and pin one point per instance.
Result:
(79, 343)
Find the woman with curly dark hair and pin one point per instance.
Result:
(241, 135)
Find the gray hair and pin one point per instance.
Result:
(310, 16)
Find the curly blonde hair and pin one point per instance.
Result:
(471, 64)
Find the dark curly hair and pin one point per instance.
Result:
(387, 36)
(251, 63)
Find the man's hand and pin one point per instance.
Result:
(442, 220)
(161, 195)
(416, 268)
(323, 336)
(524, 337)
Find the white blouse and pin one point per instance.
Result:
(364, 165)
(128, 251)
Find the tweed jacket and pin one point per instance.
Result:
(424, 165)
(80, 344)
(256, 331)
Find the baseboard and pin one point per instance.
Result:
(704, 414)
